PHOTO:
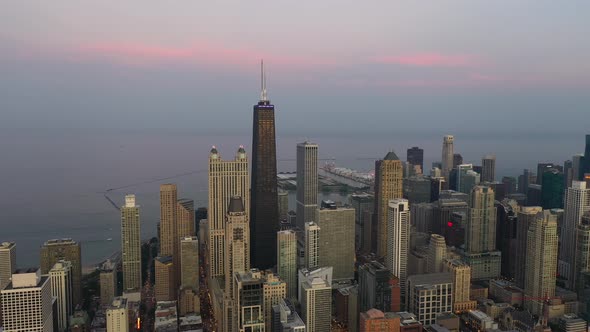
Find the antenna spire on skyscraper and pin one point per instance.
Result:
(263, 95)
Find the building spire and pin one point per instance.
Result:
(263, 95)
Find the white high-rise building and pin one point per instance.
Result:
(398, 240)
(287, 260)
(447, 156)
(227, 178)
(312, 241)
(577, 202)
(118, 316)
(7, 262)
(316, 303)
(27, 303)
(131, 245)
(307, 183)
(61, 289)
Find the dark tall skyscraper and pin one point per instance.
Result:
(586, 160)
(552, 189)
(264, 208)
(457, 160)
(415, 156)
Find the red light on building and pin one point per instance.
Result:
(449, 223)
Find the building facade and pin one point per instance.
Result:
(226, 178)
(60, 277)
(307, 183)
(415, 156)
(27, 303)
(237, 242)
(541, 262)
(378, 288)
(447, 156)
(398, 240)
(108, 285)
(488, 169)
(437, 252)
(164, 288)
(117, 315)
(336, 240)
(55, 250)
(430, 295)
(388, 186)
(189, 262)
(264, 212)
(287, 260)
(131, 245)
(577, 202)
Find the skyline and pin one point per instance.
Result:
(167, 66)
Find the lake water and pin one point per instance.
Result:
(52, 181)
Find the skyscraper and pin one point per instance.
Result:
(415, 156)
(316, 303)
(457, 159)
(169, 241)
(430, 295)
(447, 156)
(480, 235)
(461, 273)
(274, 290)
(577, 202)
(376, 287)
(189, 262)
(336, 245)
(388, 186)
(249, 302)
(237, 242)
(168, 199)
(60, 277)
(27, 303)
(586, 160)
(185, 227)
(164, 288)
(264, 212)
(552, 189)
(227, 178)
(363, 205)
(287, 260)
(525, 217)
(437, 251)
(7, 262)
(488, 166)
(312, 243)
(131, 245)
(118, 315)
(55, 250)
(398, 240)
(481, 227)
(541, 262)
(467, 178)
(307, 183)
(582, 250)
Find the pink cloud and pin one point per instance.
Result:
(200, 53)
(427, 60)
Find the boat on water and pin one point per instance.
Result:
(110, 239)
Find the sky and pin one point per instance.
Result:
(332, 66)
